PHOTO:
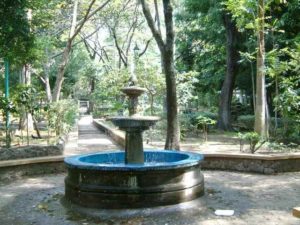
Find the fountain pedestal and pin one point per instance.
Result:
(134, 126)
(134, 140)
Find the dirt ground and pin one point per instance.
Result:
(255, 199)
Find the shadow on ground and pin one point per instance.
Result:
(256, 199)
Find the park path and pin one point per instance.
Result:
(88, 139)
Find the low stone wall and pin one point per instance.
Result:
(14, 169)
(34, 160)
(254, 163)
(30, 151)
(116, 135)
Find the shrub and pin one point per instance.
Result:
(62, 116)
(204, 122)
(253, 139)
(246, 122)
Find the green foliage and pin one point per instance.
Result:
(246, 122)
(252, 138)
(205, 122)
(28, 97)
(16, 40)
(201, 49)
(6, 106)
(62, 115)
(108, 90)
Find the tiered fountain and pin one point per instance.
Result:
(134, 178)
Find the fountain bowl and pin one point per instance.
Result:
(134, 122)
(103, 180)
(134, 91)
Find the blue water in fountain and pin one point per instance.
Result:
(154, 159)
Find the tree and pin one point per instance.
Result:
(232, 56)
(167, 59)
(74, 31)
(261, 105)
(16, 40)
(211, 21)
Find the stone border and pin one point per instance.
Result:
(257, 163)
(115, 134)
(14, 169)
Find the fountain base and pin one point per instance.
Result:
(166, 178)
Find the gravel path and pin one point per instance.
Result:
(256, 199)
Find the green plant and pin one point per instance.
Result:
(246, 122)
(253, 139)
(205, 122)
(29, 99)
(62, 116)
(7, 107)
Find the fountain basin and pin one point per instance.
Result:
(136, 122)
(133, 91)
(103, 180)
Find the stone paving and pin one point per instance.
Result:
(89, 139)
(256, 199)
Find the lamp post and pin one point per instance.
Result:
(6, 65)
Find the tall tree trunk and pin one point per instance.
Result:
(61, 72)
(46, 67)
(173, 132)
(92, 89)
(224, 120)
(167, 56)
(260, 109)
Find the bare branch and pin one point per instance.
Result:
(157, 16)
(123, 57)
(146, 47)
(88, 16)
(76, 43)
(150, 21)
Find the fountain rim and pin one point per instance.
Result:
(134, 118)
(193, 159)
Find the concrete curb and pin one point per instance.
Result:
(116, 135)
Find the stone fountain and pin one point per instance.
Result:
(134, 178)
(134, 125)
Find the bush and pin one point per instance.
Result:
(194, 116)
(253, 139)
(205, 122)
(190, 121)
(246, 122)
(62, 116)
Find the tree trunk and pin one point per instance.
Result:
(61, 72)
(48, 88)
(66, 53)
(224, 120)
(173, 132)
(46, 67)
(25, 118)
(167, 58)
(260, 109)
(92, 89)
